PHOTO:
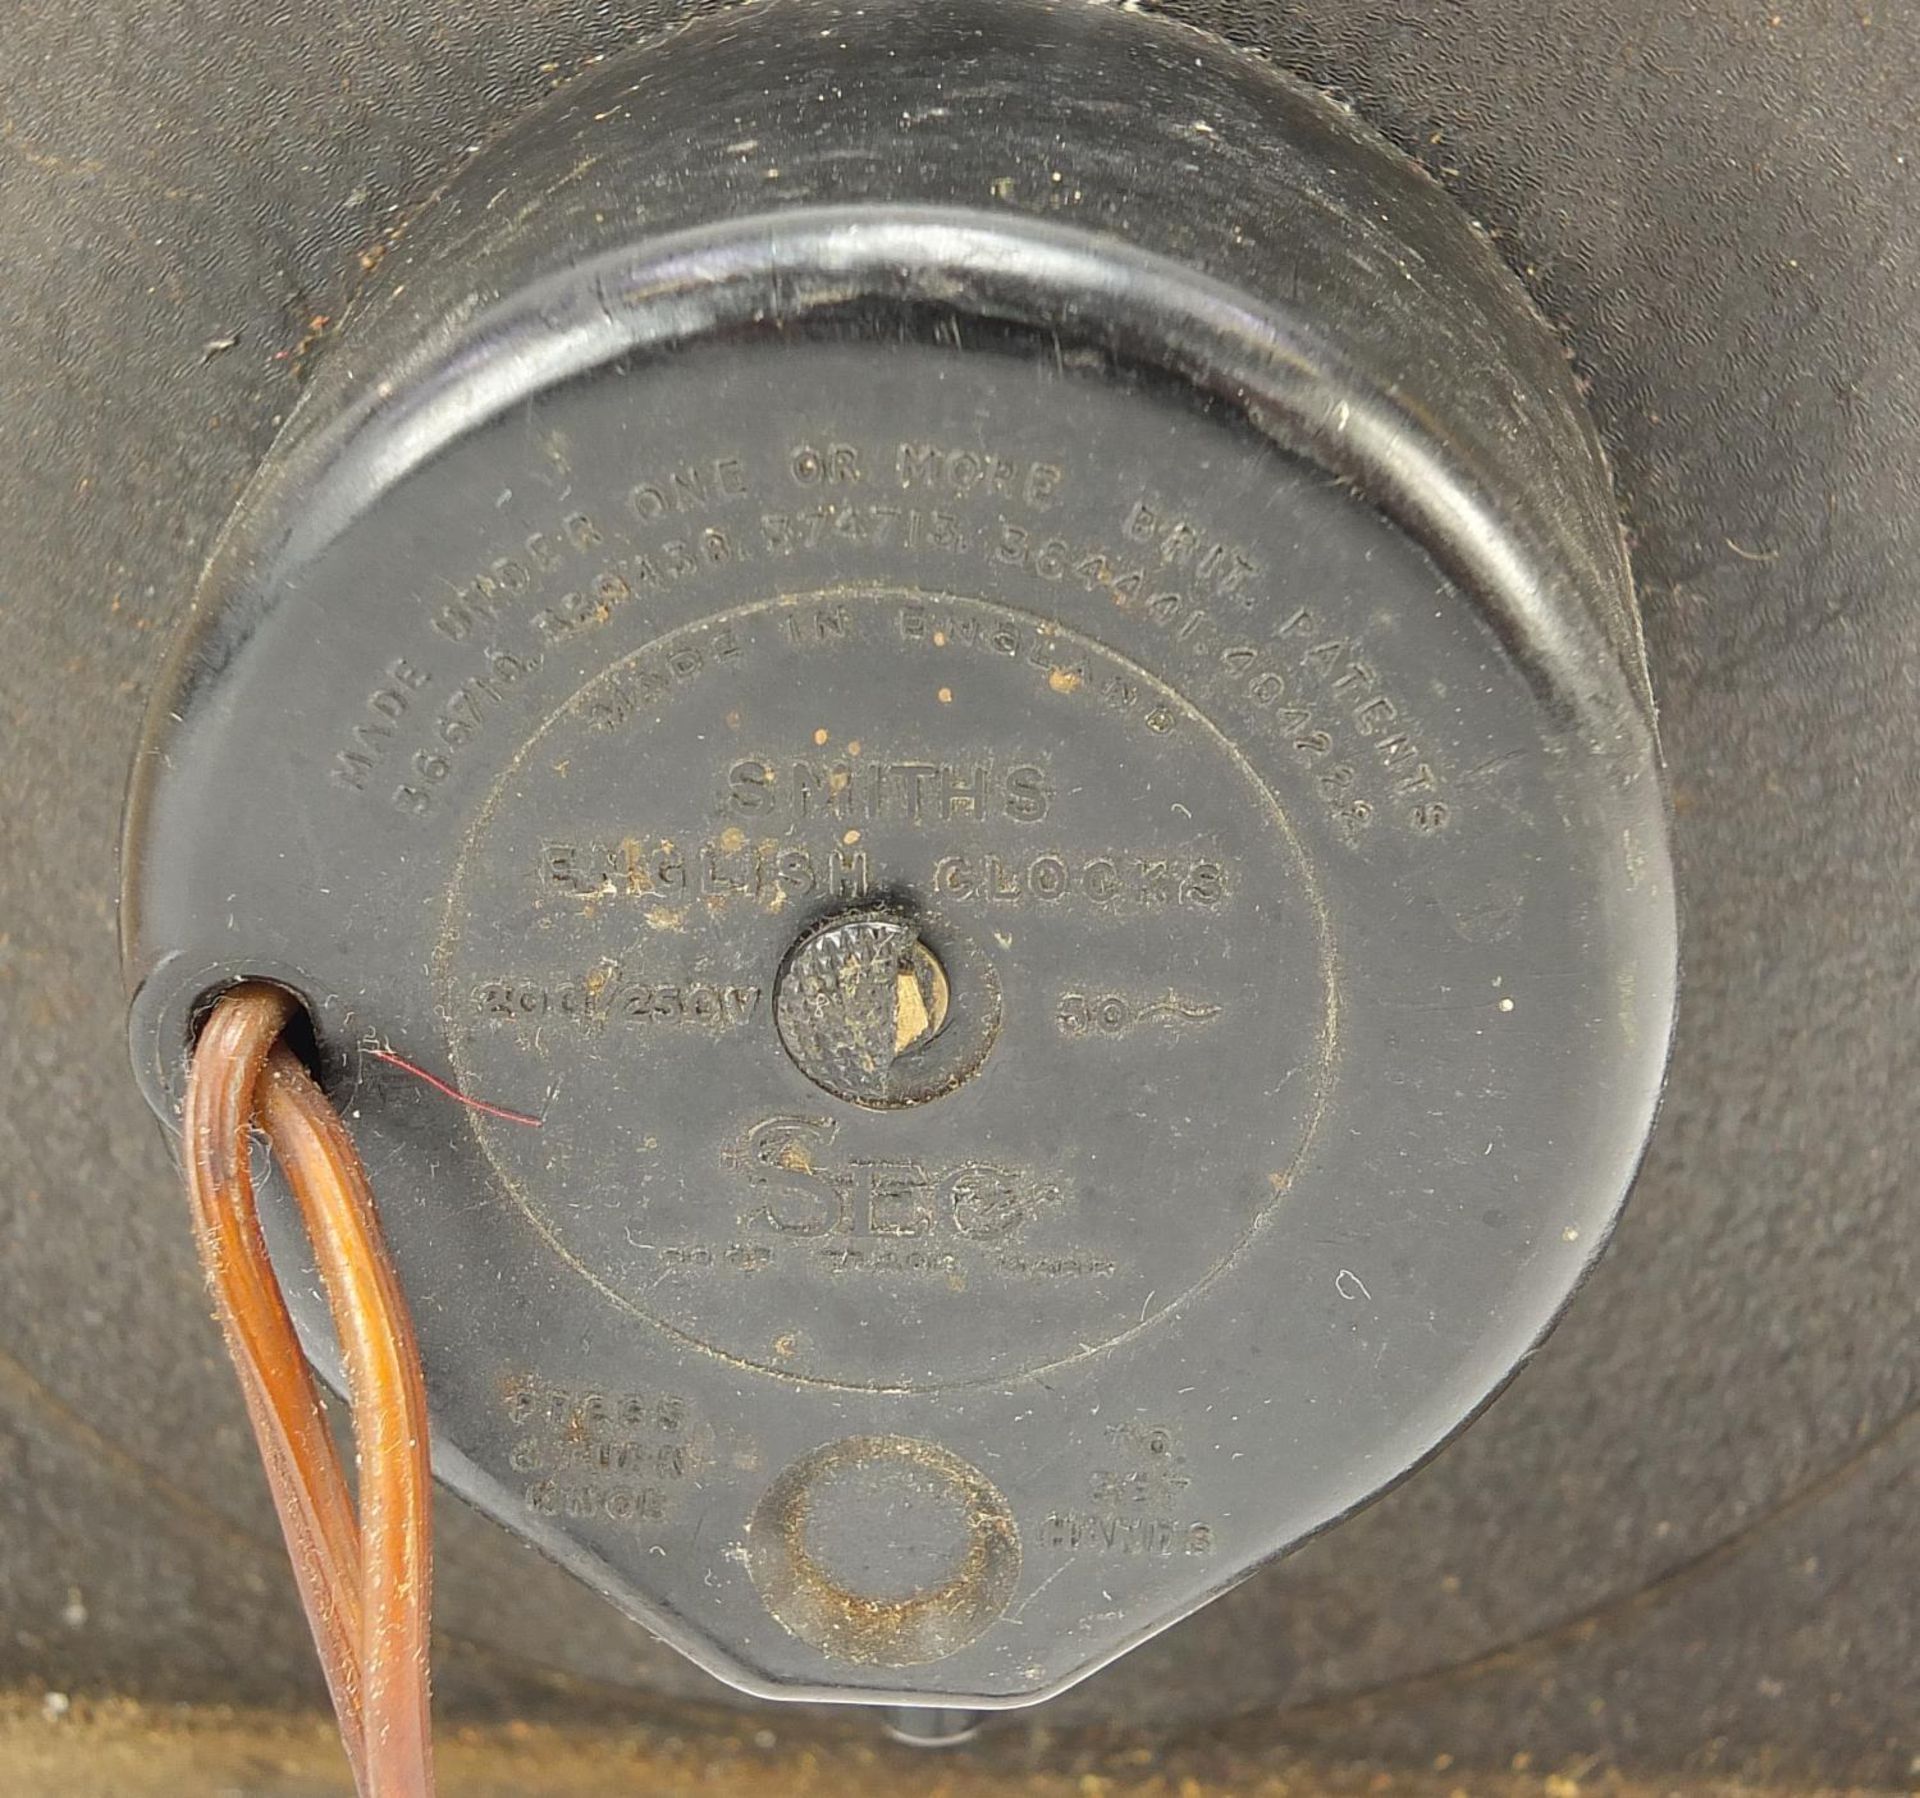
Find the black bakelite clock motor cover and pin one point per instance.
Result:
(981, 659)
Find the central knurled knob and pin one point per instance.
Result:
(858, 999)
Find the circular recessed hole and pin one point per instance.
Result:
(884, 1550)
(298, 1035)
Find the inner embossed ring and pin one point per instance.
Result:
(1069, 833)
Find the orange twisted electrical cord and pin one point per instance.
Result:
(365, 1581)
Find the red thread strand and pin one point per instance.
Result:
(453, 1092)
